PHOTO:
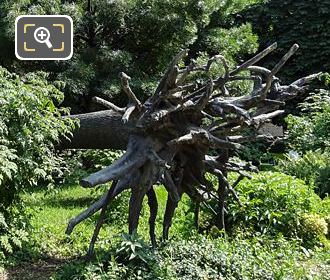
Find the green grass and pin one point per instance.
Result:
(50, 215)
(51, 212)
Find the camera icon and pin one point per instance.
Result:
(43, 37)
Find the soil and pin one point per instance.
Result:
(40, 270)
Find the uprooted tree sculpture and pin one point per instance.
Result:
(189, 126)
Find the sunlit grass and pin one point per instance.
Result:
(51, 212)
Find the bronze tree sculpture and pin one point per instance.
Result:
(188, 127)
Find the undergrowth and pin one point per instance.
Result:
(241, 254)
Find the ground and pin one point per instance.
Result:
(41, 270)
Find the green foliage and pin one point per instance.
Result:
(216, 33)
(308, 137)
(322, 181)
(257, 152)
(138, 37)
(201, 258)
(133, 249)
(188, 255)
(80, 163)
(30, 125)
(13, 230)
(50, 211)
(312, 226)
(274, 203)
(311, 131)
(241, 39)
(293, 21)
(313, 167)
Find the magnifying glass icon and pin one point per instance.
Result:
(41, 35)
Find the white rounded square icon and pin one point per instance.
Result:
(43, 37)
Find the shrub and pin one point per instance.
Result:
(308, 138)
(30, 125)
(313, 167)
(13, 231)
(202, 258)
(133, 249)
(311, 130)
(274, 203)
(312, 225)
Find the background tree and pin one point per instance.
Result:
(138, 37)
(293, 21)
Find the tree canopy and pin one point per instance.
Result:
(138, 37)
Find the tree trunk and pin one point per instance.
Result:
(99, 130)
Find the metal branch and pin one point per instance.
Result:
(277, 67)
(254, 59)
(100, 220)
(127, 89)
(108, 104)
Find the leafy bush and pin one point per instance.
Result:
(311, 130)
(312, 226)
(201, 258)
(30, 125)
(313, 167)
(274, 203)
(13, 231)
(308, 138)
(322, 181)
(133, 249)
(80, 163)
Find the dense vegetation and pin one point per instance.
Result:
(288, 22)
(282, 229)
(30, 124)
(137, 37)
(293, 21)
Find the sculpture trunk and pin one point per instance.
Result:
(99, 130)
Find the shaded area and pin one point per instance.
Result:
(69, 202)
(42, 269)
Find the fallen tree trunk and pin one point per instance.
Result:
(99, 130)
